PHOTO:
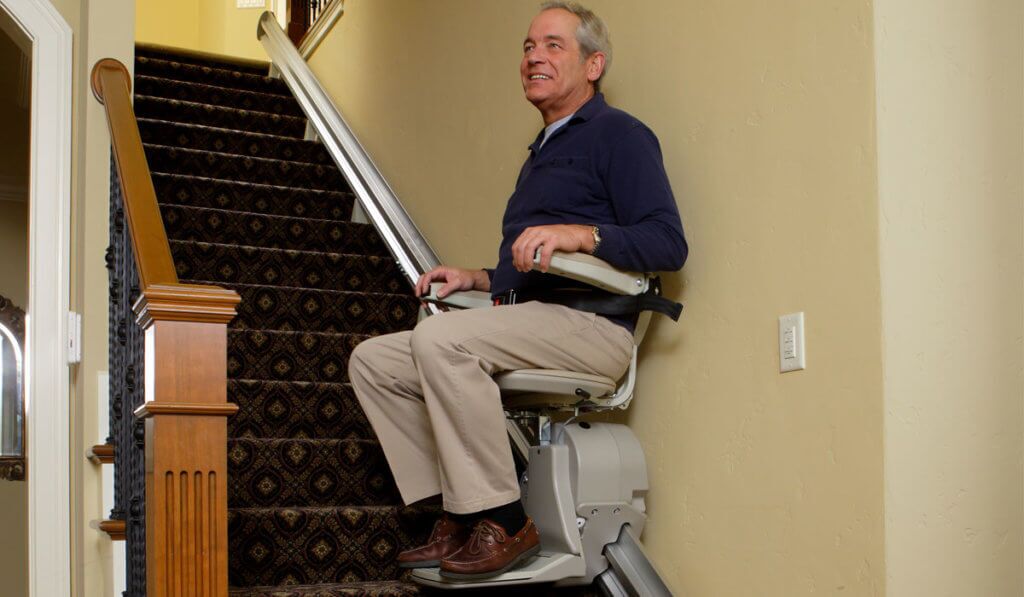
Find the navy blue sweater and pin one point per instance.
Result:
(603, 168)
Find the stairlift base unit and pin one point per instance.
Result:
(580, 491)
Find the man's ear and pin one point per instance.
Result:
(595, 66)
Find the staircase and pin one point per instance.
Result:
(249, 205)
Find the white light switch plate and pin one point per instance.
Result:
(251, 4)
(792, 351)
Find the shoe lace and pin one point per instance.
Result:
(481, 532)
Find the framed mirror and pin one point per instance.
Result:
(12, 391)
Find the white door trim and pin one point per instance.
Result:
(48, 385)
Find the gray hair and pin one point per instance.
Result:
(592, 34)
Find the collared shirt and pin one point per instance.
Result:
(603, 168)
(554, 126)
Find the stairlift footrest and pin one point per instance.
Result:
(546, 567)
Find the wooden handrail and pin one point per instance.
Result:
(186, 407)
(112, 86)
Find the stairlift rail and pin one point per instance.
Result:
(405, 242)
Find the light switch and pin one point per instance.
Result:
(792, 352)
(251, 4)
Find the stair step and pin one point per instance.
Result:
(240, 99)
(302, 546)
(208, 138)
(183, 222)
(353, 589)
(290, 309)
(296, 409)
(159, 108)
(290, 356)
(199, 191)
(234, 264)
(180, 70)
(308, 472)
(173, 160)
(186, 56)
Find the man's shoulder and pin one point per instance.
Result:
(615, 123)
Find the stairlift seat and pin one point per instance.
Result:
(525, 389)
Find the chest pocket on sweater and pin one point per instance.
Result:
(571, 163)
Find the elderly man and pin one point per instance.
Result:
(593, 182)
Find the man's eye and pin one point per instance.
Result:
(527, 48)
(554, 45)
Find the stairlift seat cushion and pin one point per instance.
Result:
(542, 387)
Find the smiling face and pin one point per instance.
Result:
(556, 78)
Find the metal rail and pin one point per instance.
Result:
(383, 209)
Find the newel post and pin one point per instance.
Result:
(185, 415)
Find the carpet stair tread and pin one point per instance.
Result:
(296, 409)
(284, 546)
(304, 472)
(216, 262)
(270, 199)
(186, 56)
(227, 97)
(211, 74)
(175, 160)
(286, 308)
(301, 356)
(161, 108)
(184, 222)
(245, 143)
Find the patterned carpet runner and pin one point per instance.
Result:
(249, 205)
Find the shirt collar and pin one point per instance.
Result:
(586, 112)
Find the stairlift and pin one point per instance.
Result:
(585, 482)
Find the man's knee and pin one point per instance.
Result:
(432, 336)
(362, 359)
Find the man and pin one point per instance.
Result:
(594, 182)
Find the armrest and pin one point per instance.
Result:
(463, 299)
(596, 272)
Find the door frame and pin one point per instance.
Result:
(48, 384)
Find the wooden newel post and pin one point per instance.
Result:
(186, 412)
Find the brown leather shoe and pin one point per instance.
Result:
(490, 552)
(446, 538)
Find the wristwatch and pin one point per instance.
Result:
(597, 238)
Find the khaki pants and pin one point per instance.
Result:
(430, 396)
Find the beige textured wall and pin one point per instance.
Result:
(762, 484)
(216, 26)
(950, 122)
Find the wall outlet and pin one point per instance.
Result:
(792, 351)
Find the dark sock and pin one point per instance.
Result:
(510, 517)
(463, 519)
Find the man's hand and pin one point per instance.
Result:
(570, 238)
(455, 279)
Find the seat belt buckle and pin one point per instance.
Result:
(505, 298)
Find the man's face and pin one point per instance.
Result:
(554, 76)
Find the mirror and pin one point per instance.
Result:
(12, 391)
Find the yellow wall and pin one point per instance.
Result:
(762, 484)
(168, 23)
(951, 153)
(215, 26)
